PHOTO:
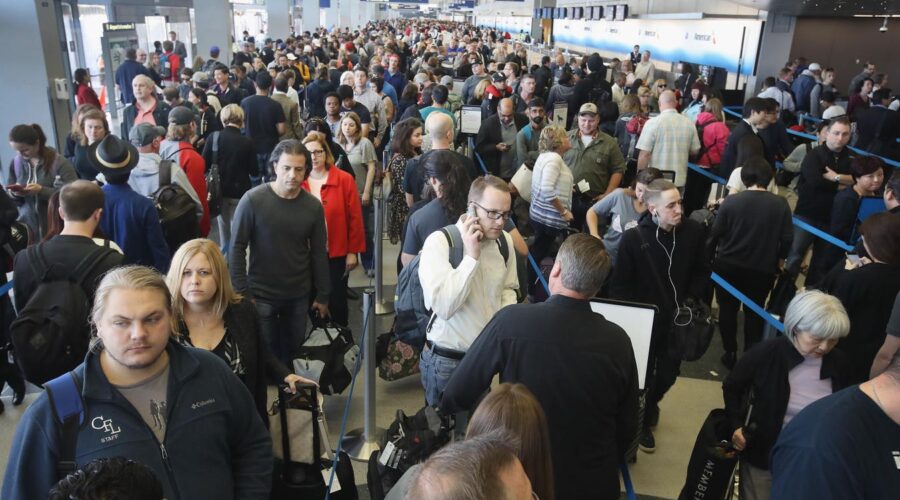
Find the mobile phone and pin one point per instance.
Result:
(854, 259)
(15, 187)
(470, 213)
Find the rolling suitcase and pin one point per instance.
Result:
(296, 480)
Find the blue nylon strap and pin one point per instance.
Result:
(66, 397)
(707, 173)
(6, 288)
(626, 480)
(736, 112)
(481, 163)
(753, 306)
(822, 234)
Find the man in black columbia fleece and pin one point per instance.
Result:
(595, 81)
(662, 262)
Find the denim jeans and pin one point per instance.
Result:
(262, 160)
(229, 205)
(283, 325)
(436, 371)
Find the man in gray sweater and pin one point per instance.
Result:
(284, 226)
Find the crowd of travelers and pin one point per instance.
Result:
(284, 151)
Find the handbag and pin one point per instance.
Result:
(692, 333)
(692, 328)
(300, 470)
(400, 360)
(328, 357)
(784, 291)
(522, 181)
(710, 472)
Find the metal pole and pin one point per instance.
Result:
(382, 306)
(360, 443)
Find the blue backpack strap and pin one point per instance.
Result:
(64, 393)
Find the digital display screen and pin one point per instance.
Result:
(610, 12)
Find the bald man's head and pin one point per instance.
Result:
(667, 100)
(506, 110)
(440, 128)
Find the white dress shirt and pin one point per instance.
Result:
(466, 298)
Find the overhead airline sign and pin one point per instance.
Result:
(511, 24)
(710, 41)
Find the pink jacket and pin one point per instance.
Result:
(715, 135)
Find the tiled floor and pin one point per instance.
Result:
(657, 475)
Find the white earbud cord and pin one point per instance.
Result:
(669, 254)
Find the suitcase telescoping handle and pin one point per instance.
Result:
(284, 394)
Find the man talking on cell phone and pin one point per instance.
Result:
(468, 273)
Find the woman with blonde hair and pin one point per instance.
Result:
(361, 154)
(336, 190)
(551, 190)
(92, 126)
(713, 134)
(514, 409)
(644, 96)
(208, 314)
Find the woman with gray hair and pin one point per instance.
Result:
(781, 376)
(551, 190)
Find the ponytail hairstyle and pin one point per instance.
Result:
(33, 135)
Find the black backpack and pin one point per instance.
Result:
(52, 333)
(599, 96)
(177, 210)
(407, 442)
(703, 146)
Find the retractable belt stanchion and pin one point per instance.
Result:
(360, 443)
(382, 306)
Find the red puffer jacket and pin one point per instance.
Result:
(715, 135)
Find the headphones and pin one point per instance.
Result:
(678, 309)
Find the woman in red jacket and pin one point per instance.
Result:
(336, 190)
(713, 135)
(84, 93)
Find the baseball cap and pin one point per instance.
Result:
(447, 81)
(200, 77)
(833, 112)
(815, 67)
(214, 50)
(181, 115)
(143, 134)
(588, 108)
(498, 77)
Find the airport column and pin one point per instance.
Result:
(216, 28)
(41, 91)
(346, 17)
(777, 38)
(279, 19)
(310, 19)
(331, 13)
(537, 24)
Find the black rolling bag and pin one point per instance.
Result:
(305, 481)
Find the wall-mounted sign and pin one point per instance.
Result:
(118, 26)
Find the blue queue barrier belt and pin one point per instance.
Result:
(753, 306)
(735, 111)
(534, 264)
(6, 288)
(706, 173)
(822, 234)
(626, 480)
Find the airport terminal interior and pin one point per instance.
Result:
(716, 182)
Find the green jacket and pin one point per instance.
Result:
(595, 163)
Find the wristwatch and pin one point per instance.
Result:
(837, 178)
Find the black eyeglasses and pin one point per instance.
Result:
(493, 214)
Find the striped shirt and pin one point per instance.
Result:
(552, 179)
